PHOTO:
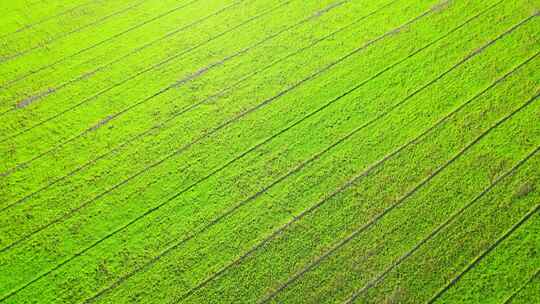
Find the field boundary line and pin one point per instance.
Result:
(477, 259)
(150, 68)
(147, 21)
(45, 19)
(517, 291)
(448, 221)
(64, 35)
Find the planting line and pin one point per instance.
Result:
(515, 293)
(154, 66)
(185, 147)
(171, 155)
(28, 26)
(7, 84)
(161, 124)
(401, 200)
(375, 281)
(475, 262)
(141, 135)
(41, 45)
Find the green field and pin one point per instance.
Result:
(257, 151)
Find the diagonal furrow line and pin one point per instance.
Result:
(223, 61)
(230, 211)
(191, 186)
(516, 292)
(178, 83)
(401, 200)
(152, 67)
(380, 277)
(155, 208)
(109, 118)
(185, 146)
(44, 44)
(375, 219)
(476, 260)
(175, 196)
(28, 26)
(88, 74)
(31, 99)
(177, 114)
(341, 189)
(215, 130)
(9, 83)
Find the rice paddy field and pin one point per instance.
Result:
(270, 151)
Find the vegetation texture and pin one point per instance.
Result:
(270, 151)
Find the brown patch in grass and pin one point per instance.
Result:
(101, 123)
(439, 7)
(194, 75)
(31, 99)
(524, 190)
(395, 297)
(327, 9)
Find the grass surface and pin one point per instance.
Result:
(270, 151)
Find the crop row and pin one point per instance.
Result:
(198, 28)
(158, 143)
(234, 187)
(189, 89)
(54, 31)
(528, 292)
(159, 66)
(161, 140)
(49, 205)
(512, 263)
(170, 107)
(373, 255)
(60, 256)
(468, 234)
(353, 212)
(18, 18)
(82, 62)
